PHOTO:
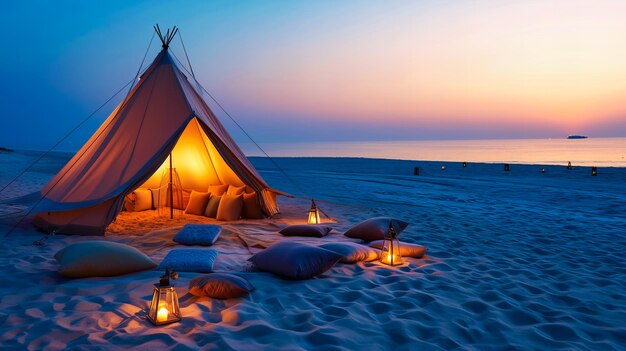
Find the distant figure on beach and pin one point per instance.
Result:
(569, 165)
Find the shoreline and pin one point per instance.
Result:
(67, 155)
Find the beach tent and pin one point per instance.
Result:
(163, 114)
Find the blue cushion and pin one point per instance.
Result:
(310, 230)
(353, 252)
(295, 260)
(198, 234)
(190, 260)
(220, 286)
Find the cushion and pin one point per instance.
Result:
(236, 190)
(101, 259)
(190, 260)
(375, 228)
(197, 203)
(310, 230)
(212, 206)
(164, 195)
(406, 249)
(230, 208)
(198, 234)
(138, 200)
(251, 207)
(295, 260)
(220, 286)
(218, 190)
(353, 252)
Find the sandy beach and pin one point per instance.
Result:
(516, 260)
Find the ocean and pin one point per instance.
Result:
(604, 152)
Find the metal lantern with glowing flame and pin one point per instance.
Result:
(390, 254)
(314, 214)
(164, 307)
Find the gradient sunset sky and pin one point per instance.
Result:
(329, 70)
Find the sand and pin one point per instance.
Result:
(516, 260)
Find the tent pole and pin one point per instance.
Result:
(171, 186)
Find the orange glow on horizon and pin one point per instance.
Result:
(556, 64)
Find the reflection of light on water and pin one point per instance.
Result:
(593, 151)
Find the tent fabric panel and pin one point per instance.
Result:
(84, 221)
(148, 118)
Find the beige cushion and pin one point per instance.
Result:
(197, 203)
(101, 259)
(138, 200)
(236, 190)
(251, 207)
(218, 190)
(406, 249)
(212, 206)
(230, 208)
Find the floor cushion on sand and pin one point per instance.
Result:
(295, 260)
(138, 200)
(235, 190)
(220, 286)
(101, 259)
(353, 252)
(251, 207)
(308, 230)
(198, 234)
(406, 249)
(197, 203)
(230, 208)
(212, 206)
(190, 260)
(218, 190)
(375, 228)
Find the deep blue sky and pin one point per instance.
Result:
(328, 70)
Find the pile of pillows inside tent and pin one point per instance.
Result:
(288, 259)
(223, 202)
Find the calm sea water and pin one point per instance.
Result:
(592, 151)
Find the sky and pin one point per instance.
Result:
(359, 70)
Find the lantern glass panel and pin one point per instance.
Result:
(390, 254)
(164, 307)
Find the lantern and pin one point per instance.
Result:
(314, 214)
(390, 254)
(164, 307)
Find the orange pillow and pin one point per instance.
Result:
(218, 190)
(236, 190)
(197, 203)
(251, 207)
(230, 208)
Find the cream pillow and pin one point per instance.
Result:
(138, 200)
(230, 208)
(197, 203)
(101, 259)
(236, 190)
(251, 207)
(218, 190)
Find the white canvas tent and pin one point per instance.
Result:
(162, 114)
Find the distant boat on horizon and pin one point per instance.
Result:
(577, 137)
